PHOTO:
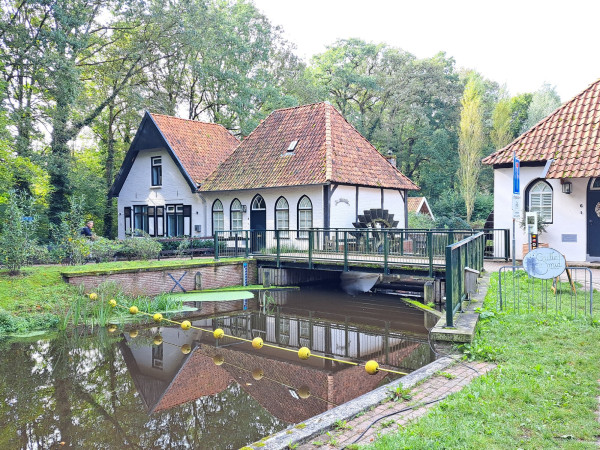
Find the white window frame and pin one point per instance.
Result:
(540, 199)
(218, 216)
(305, 216)
(236, 217)
(282, 217)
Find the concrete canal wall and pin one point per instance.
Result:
(156, 280)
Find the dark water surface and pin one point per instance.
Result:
(169, 388)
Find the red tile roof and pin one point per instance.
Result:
(570, 136)
(200, 146)
(329, 149)
(414, 203)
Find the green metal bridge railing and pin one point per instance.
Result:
(460, 255)
(382, 246)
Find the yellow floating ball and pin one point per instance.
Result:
(112, 328)
(133, 333)
(157, 317)
(257, 374)
(93, 296)
(186, 325)
(257, 343)
(304, 353)
(304, 392)
(186, 348)
(158, 339)
(218, 359)
(372, 367)
(112, 302)
(133, 310)
(218, 333)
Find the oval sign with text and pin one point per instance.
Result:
(544, 263)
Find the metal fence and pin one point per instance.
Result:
(460, 255)
(367, 245)
(571, 293)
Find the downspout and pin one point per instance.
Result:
(203, 200)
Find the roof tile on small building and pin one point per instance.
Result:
(200, 146)
(570, 136)
(328, 149)
(414, 203)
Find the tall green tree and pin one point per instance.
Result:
(471, 142)
(501, 134)
(543, 102)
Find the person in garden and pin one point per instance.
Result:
(87, 230)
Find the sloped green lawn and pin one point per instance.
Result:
(543, 394)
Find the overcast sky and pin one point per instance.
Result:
(521, 44)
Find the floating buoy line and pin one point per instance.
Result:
(371, 367)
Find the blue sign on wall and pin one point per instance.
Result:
(245, 274)
(516, 176)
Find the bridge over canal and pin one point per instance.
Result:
(437, 254)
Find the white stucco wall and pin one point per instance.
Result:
(291, 194)
(137, 190)
(343, 204)
(569, 212)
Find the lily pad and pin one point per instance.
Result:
(213, 296)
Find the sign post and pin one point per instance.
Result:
(516, 205)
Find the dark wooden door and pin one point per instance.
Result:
(258, 224)
(593, 225)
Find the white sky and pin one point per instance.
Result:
(521, 44)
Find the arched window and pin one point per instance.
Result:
(282, 217)
(304, 216)
(539, 199)
(218, 219)
(258, 204)
(236, 215)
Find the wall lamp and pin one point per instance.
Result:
(567, 187)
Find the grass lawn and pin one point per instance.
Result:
(38, 298)
(543, 394)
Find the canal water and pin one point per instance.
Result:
(162, 387)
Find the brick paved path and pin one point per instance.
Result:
(451, 380)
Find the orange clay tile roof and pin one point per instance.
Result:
(329, 149)
(200, 146)
(414, 203)
(570, 136)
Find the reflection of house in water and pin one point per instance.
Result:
(283, 379)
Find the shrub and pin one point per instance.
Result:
(420, 221)
(17, 241)
(142, 247)
(102, 249)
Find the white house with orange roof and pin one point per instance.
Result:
(559, 178)
(302, 167)
(420, 205)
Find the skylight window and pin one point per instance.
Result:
(292, 146)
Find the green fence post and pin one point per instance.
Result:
(337, 241)
(278, 249)
(246, 243)
(386, 250)
(449, 287)
(310, 250)
(506, 244)
(345, 251)
(402, 243)
(430, 251)
(367, 243)
(216, 245)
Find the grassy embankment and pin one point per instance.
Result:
(39, 299)
(543, 393)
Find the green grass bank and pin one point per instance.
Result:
(543, 393)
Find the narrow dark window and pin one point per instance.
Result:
(156, 171)
(175, 220)
(140, 219)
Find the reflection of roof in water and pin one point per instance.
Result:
(199, 376)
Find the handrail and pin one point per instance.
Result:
(465, 253)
